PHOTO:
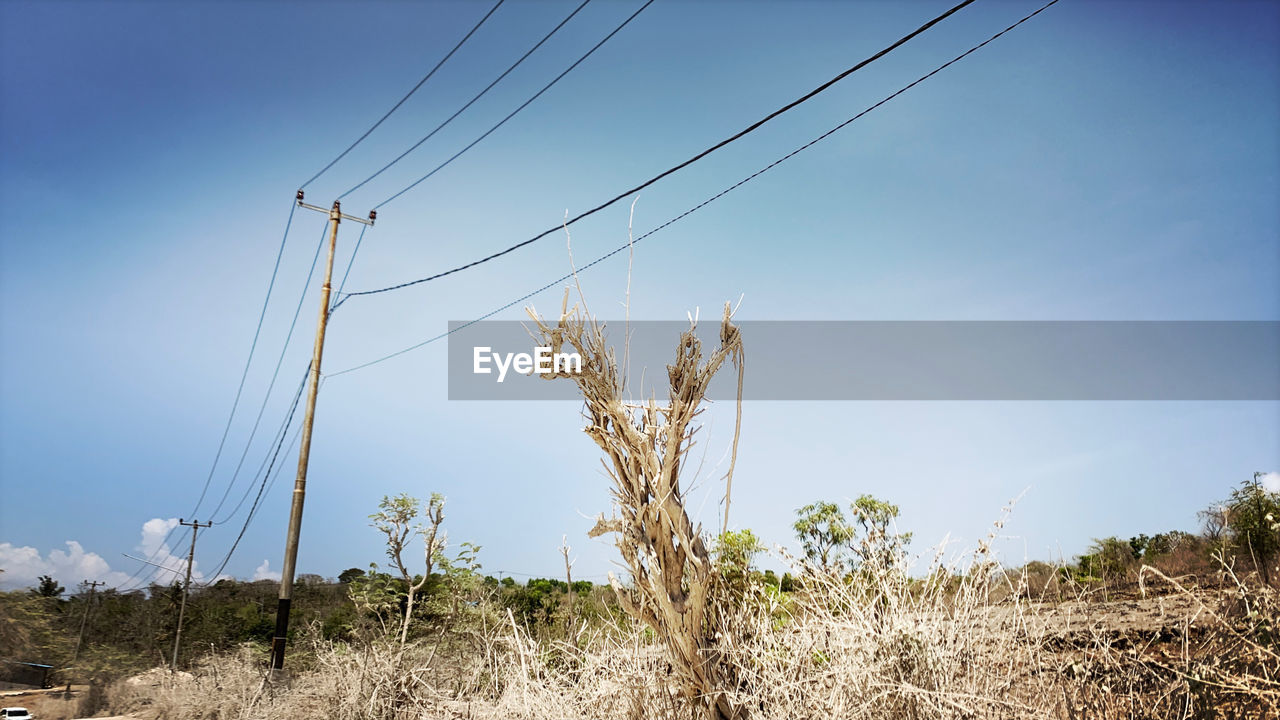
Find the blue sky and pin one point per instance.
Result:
(1105, 161)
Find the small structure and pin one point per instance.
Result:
(15, 674)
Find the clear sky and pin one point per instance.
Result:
(1105, 161)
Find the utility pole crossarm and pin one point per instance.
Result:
(337, 210)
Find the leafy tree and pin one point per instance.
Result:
(26, 625)
(735, 554)
(1253, 516)
(1139, 545)
(1160, 545)
(824, 533)
(397, 518)
(461, 576)
(346, 576)
(49, 587)
(787, 583)
(881, 544)
(375, 594)
(832, 541)
(1107, 559)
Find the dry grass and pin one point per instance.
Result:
(891, 645)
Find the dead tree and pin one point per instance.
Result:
(672, 569)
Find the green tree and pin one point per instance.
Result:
(1108, 559)
(346, 576)
(824, 533)
(375, 594)
(832, 542)
(882, 545)
(1139, 545)
(735, 556)
(49, 587)
(1167, 542)
(397, 518)
(1253, 517)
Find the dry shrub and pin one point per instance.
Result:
(877, 645)
(881, 643)
(671, 567)
(1216, 655)
(955, 640)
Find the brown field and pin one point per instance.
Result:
(908, 649)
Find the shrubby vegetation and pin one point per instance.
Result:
(465, 634)
(853, 629)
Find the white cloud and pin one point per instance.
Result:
(1271, 481)
(24, 565)
(264, 572)
(153, 548)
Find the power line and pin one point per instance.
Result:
(395, 107)
(350, 262)
(239, 391)
(278, 437)
(302, 296)
(134, 582)
(253, 509)
(460, 110)
(523, 105)
(704, 203)
(245, 374)
(736, 136)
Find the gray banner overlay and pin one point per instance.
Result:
(924, 360)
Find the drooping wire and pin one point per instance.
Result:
(277, 438)
(257, 500)
(395, 107)
(626, 193)
(702, 204)
(306, 285)
(135, 582)
(352, 261)
(460, 110)
(522, 106)
(253, 346)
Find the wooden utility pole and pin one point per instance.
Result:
(182, 609)
(336, 216)
(83, 621)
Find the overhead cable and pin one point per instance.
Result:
(522, 106)
(702, 204)
(468, 104)
(395, 107)
(620, 196)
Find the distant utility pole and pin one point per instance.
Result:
(336, 216)
(182, 609)
(83, 621)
